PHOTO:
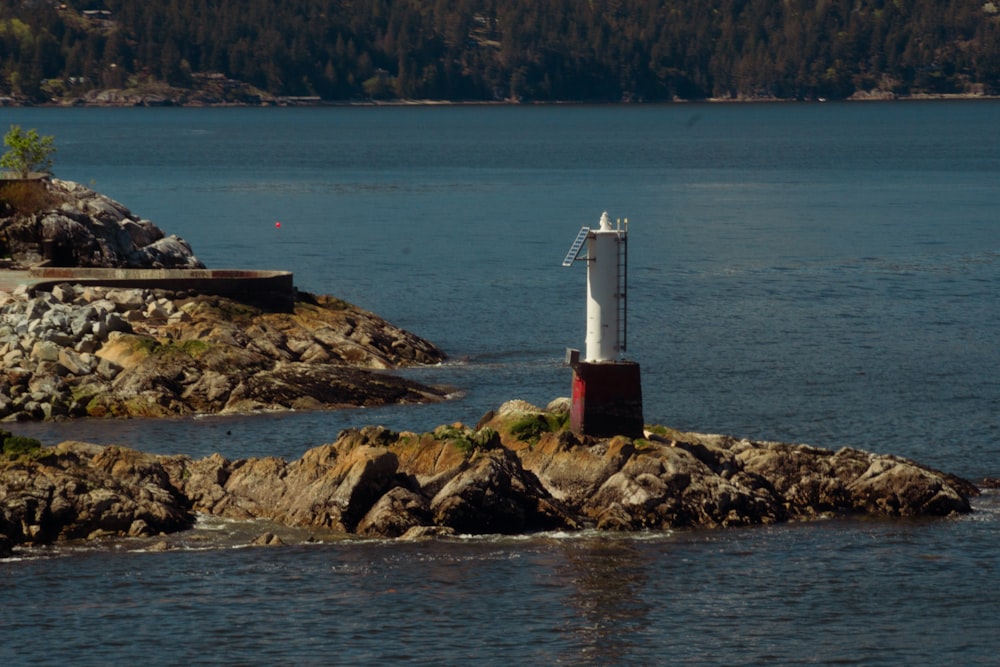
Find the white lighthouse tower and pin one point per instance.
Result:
(607, 392)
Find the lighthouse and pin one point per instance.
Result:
(607, 391)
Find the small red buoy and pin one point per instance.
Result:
(277, 225)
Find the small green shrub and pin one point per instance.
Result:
(27, 152)
(146, 344)
(458, 437)
(466, 440)
(530, 428)
(17, 445)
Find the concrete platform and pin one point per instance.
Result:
(273, 290)
(11, 278)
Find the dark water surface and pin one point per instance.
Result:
(811, 273)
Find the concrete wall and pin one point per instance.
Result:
(272, 290)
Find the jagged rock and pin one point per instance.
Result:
(816, 481)
(75, 363)
(395, 514)
(379, 483)
(669, 487)
(142, 232)
(45, 350)
(426, 532)
(574, 471)
(166, 253)
(82, 491)
(84, 228)
(495, 495)
(268, 540)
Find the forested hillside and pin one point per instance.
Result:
(527, 50)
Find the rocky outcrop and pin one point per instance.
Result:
(108, 352)
(519, 471)
(77, 491)
(80, 227)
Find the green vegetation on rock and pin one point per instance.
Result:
(15, 446)
(530, 427)
(467, 440)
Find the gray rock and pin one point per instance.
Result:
(95, 231)
(169, 252)
(127, 299)
(113, 323)
(107, 369)
(81, 322)
(45, 350)
(142, 232)
(395, 514)
(87, 344)
(75, 363)
(64, 293)
(60, 338)
(103, 306)
(35, 310)
(190, 355)
(13, 358)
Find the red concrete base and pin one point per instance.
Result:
(607, 399)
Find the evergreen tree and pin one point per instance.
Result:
(522, 49)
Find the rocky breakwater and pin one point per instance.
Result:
(107, 352)
(520, 470)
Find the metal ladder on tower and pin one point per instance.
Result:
(574, 250)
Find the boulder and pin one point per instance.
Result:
(339, 493)
(574, 471)
(395, 514)
(494, 494)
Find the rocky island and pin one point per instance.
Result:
(519, 470)
(90, 350)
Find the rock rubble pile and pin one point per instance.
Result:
(93, 351)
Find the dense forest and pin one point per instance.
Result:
(514, 50)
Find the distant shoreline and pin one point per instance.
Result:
(128, 100)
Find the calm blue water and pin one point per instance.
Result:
(811, 273)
